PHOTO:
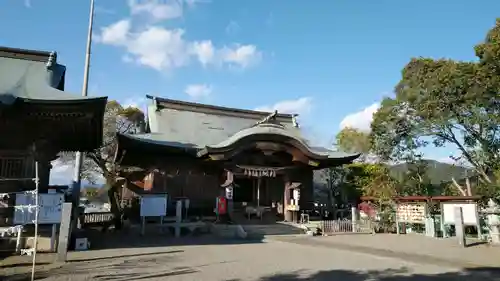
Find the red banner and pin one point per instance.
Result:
(221, 205)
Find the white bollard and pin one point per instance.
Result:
(18, 239)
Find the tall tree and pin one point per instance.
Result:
(446, 102)
(100, 163)
(354, 141)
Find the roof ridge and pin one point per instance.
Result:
(34, 55)
(218, 108)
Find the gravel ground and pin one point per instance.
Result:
(272, 260)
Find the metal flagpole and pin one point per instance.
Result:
(37, 210)
(79, 156)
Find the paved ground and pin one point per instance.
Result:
(273, 260)
(415, 248)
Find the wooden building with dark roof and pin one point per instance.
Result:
(195, 150)
(38, 119)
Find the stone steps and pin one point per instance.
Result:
(228, 231)
(272, 229)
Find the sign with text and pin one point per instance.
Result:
(411, 212)
(154, 205)
(50, 208)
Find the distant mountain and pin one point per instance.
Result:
(437, 172)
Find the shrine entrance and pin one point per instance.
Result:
(258, 195)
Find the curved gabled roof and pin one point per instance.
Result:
(275, 132)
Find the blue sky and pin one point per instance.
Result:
(326, 60)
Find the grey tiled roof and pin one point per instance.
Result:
(199, 129)
(186, 125)
(160, 139)
(32, 80)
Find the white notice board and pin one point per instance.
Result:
(50, 206)
(154, 205)
(469, 211)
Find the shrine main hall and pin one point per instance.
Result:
(197, 151)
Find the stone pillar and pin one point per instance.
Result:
(430, 229)
(354, 218)
(178, 218)
(494, 221)
(459, 226)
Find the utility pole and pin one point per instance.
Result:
(77, 182)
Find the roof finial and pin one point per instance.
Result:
(294, 121)
(268, 118)
(52, 59)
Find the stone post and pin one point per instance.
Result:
(64, 233)
(459, 226)
(354, 218)
(494, 221)
(430, 228)
(178, 218)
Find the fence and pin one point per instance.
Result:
(329, 227)
(96, 218)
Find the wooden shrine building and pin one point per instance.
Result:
(200, 151)
(38, 119)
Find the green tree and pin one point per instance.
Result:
(353, 140)
(99, 164)
(415, 181)
(446, 102)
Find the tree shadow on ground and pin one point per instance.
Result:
(403, 274)
(115, 268)
(133, 239)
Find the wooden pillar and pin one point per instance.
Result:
(259, 180)
(286, 201)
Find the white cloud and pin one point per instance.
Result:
(299, 106)
(137, 102)
(163, 49)
(156, 10)
(233, 28)
(360, 120)
(448, 160)
(116, 33)
(205, 51)
(241, 55)
(198, 91)
(238, 55)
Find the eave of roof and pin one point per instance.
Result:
(160, 141)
